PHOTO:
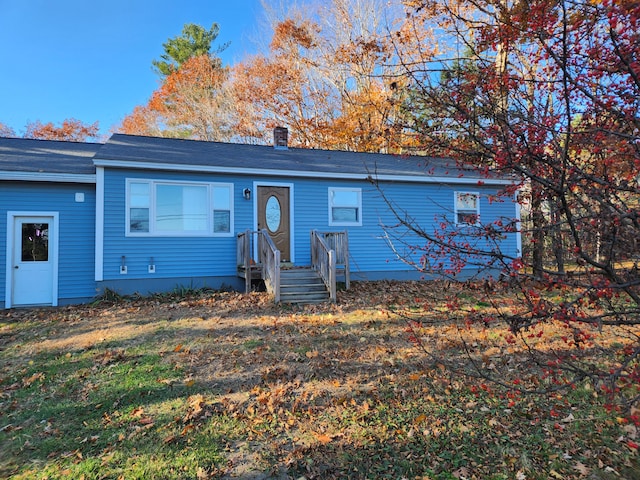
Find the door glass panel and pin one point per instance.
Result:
(35, 242)
(273, 213)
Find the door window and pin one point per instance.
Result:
(35, 242)
(273, 213)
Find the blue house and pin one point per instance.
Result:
(144, 214)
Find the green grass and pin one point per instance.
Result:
(93, 412)
(228, 385)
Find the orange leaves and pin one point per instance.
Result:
(70, 130)
(290, 34)
(26, 382)
(191, 99)
(323, 438)
(6, 131)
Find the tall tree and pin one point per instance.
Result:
(552, 97)
(192, 100)
(329, 76)
(194, 41)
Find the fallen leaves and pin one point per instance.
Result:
(313, 386)
(26, 382)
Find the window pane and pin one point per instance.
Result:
(221, 221)
(181, 208)
(273, 212)
(467, 217)
(467, 201)
(344, 214)
(139, 220)
(35, 242)
(222, 198)
(345, 198)
(139, 195)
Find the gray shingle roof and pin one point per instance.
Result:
(47, 156)
(178, 152)
(56, 157)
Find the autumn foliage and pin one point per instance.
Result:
(546, 91)
(70, 130)
(189, 103)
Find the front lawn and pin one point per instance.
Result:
(226, 385)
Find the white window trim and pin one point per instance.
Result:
(455, 207)
(333, 223)
(152, 209)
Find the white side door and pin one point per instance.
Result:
(34, 260)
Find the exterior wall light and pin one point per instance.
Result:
(247, 194)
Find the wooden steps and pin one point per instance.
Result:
(302, 285)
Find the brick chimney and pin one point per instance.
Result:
(280, 138)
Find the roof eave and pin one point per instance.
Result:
(48, 177)
(299, 173)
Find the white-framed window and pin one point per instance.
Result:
(162, 208)
(467, 208)
(345, 206)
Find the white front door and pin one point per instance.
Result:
(34, 263)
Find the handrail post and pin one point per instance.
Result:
(313, 247)
(347, 269)
(276, 280)
(248, 273)
(332, 276)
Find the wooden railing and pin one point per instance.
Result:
(244, 256)
(329, 257)
(269, 257)
(323, 261)
(338, 242)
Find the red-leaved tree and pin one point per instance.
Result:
(546, 90)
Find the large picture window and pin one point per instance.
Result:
(467, 208)
(156, 208)
(345, 206)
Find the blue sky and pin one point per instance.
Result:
(91, 59)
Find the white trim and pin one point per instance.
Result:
(47, 177)
(292, 227)
(8, 276)
(330, 205)
(455, 207)
(518, 223)
(153, 183)
(99, 248)
(53, 244)
(301, 174)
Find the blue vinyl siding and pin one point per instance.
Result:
(76, 234)
(369, 246)
(173, 256)
(371, 256)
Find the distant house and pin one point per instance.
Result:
(144, 214)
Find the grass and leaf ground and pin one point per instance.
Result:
(227, 385)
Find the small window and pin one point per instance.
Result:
(345, 206)
(467, 208)
(139, 204)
